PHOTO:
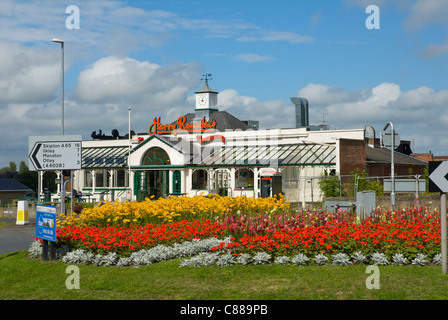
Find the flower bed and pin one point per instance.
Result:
(171, 209)
(253, 226)
(408, 238)
(126, 240)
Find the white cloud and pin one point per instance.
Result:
(229, 98)
(435, 50)
(270, 114)
(271, 36)
(28, 74)
(254, 57)
(322, 94)
(418, 114)
(425, 12)
(365, 3)
(100, 101)
(119, 79)
(315, 19)
(112, 78)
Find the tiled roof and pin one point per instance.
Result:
(224, 121)
(382, 155)
(8, 185)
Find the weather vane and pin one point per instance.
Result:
(206, 77)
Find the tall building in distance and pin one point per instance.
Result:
(302, 115)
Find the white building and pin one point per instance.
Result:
(209, 151)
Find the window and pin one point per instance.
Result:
(99, 178)
(199, 179)
(156, 157)
(88, 179)
(244, 178)
(121, 178)
(102, 178)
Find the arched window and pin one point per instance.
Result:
(156, 157)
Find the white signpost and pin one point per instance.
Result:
(56, 153)
(59, 153)
(438, 182)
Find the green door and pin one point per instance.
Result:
(176, 182)
(140, 185)
(151, 183)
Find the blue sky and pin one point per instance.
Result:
(150, 55)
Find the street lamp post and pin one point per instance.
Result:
(62, 90)
(392, 165)
(62, 185)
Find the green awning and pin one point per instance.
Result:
(105, 157)
(277, 155)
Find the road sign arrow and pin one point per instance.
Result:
(439, 176)
(33, 156)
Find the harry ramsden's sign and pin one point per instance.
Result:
(181, 125)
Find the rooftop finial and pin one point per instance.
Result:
(206, 77)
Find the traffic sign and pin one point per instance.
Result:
(438, 176)
(405, 185)
(387, 139)
(438, 182)
(55, 153)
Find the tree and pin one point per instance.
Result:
(364, 183)
(330, 186)
(27, 177)
(23, 168)
(13, 166)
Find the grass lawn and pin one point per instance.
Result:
(23, 278)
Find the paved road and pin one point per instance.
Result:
(15, 238)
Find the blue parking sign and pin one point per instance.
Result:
(46, 222)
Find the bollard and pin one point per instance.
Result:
(22, 213)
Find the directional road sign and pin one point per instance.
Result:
(438, 176)
(387, 139)
(56, 154)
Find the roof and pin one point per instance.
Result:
(224, 121)
(166, 140)
(8, 185)
(382, 156)
(104, 157)
(206, 89)
(273, 155)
